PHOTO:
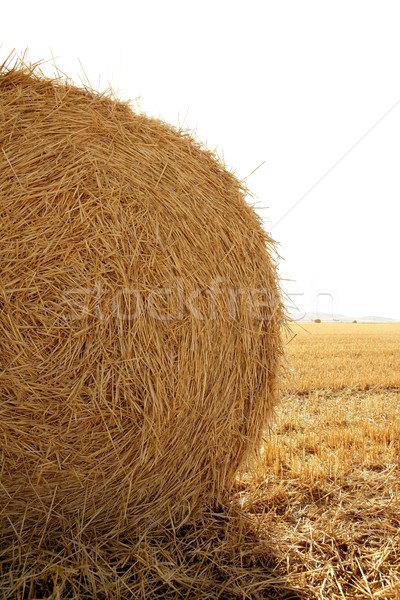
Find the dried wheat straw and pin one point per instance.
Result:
(134, 378)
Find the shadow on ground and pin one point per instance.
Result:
(220, 556)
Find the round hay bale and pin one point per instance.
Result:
(140, 317)
(317, 320)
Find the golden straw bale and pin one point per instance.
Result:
(140, 318)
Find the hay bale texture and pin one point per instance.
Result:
(140, 318)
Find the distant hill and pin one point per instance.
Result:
(337, 318)
(379, 320)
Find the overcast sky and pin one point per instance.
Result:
(307, 91)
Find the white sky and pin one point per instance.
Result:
(291, 84)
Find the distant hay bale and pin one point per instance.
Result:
(140, 319)
(354, 321)
(317, 320)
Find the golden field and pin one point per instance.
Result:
(343, 355)
(327, 490)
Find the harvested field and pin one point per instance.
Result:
(317, 518)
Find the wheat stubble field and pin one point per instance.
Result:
(331, 499)
(317, 518)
